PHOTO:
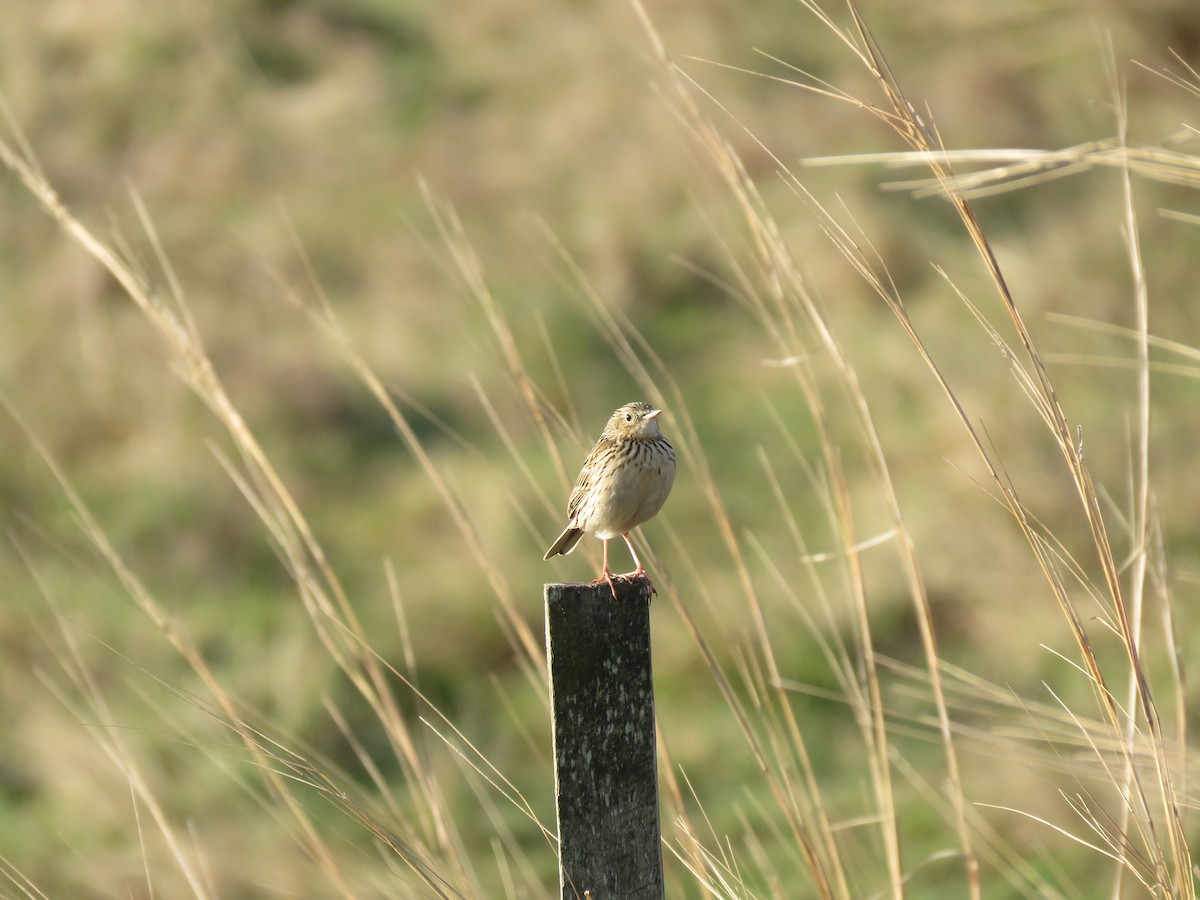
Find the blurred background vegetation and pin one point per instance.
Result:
(310, 149)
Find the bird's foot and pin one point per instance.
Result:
(639, 572)
(607, 577)
(610, 578)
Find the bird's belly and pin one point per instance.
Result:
(631, 501)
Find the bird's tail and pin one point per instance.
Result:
(566, 542)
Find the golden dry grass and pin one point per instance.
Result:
(920, 628)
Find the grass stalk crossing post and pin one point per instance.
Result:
(605, 762)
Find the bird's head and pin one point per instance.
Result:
(634, 421)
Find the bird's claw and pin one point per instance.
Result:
(611, 580)
(607, 577)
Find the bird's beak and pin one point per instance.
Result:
(652, 414)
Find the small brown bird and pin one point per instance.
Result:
(624, 482)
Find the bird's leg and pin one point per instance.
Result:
(606, 574)
(640, 571)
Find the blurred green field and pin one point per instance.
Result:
(259, 164)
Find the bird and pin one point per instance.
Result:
(624, 482)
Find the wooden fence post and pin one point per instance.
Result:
(605, 761)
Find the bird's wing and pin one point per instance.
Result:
(583, 484)
(580, 490)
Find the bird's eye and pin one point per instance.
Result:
(628, 417)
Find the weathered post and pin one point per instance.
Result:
(605, 763)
